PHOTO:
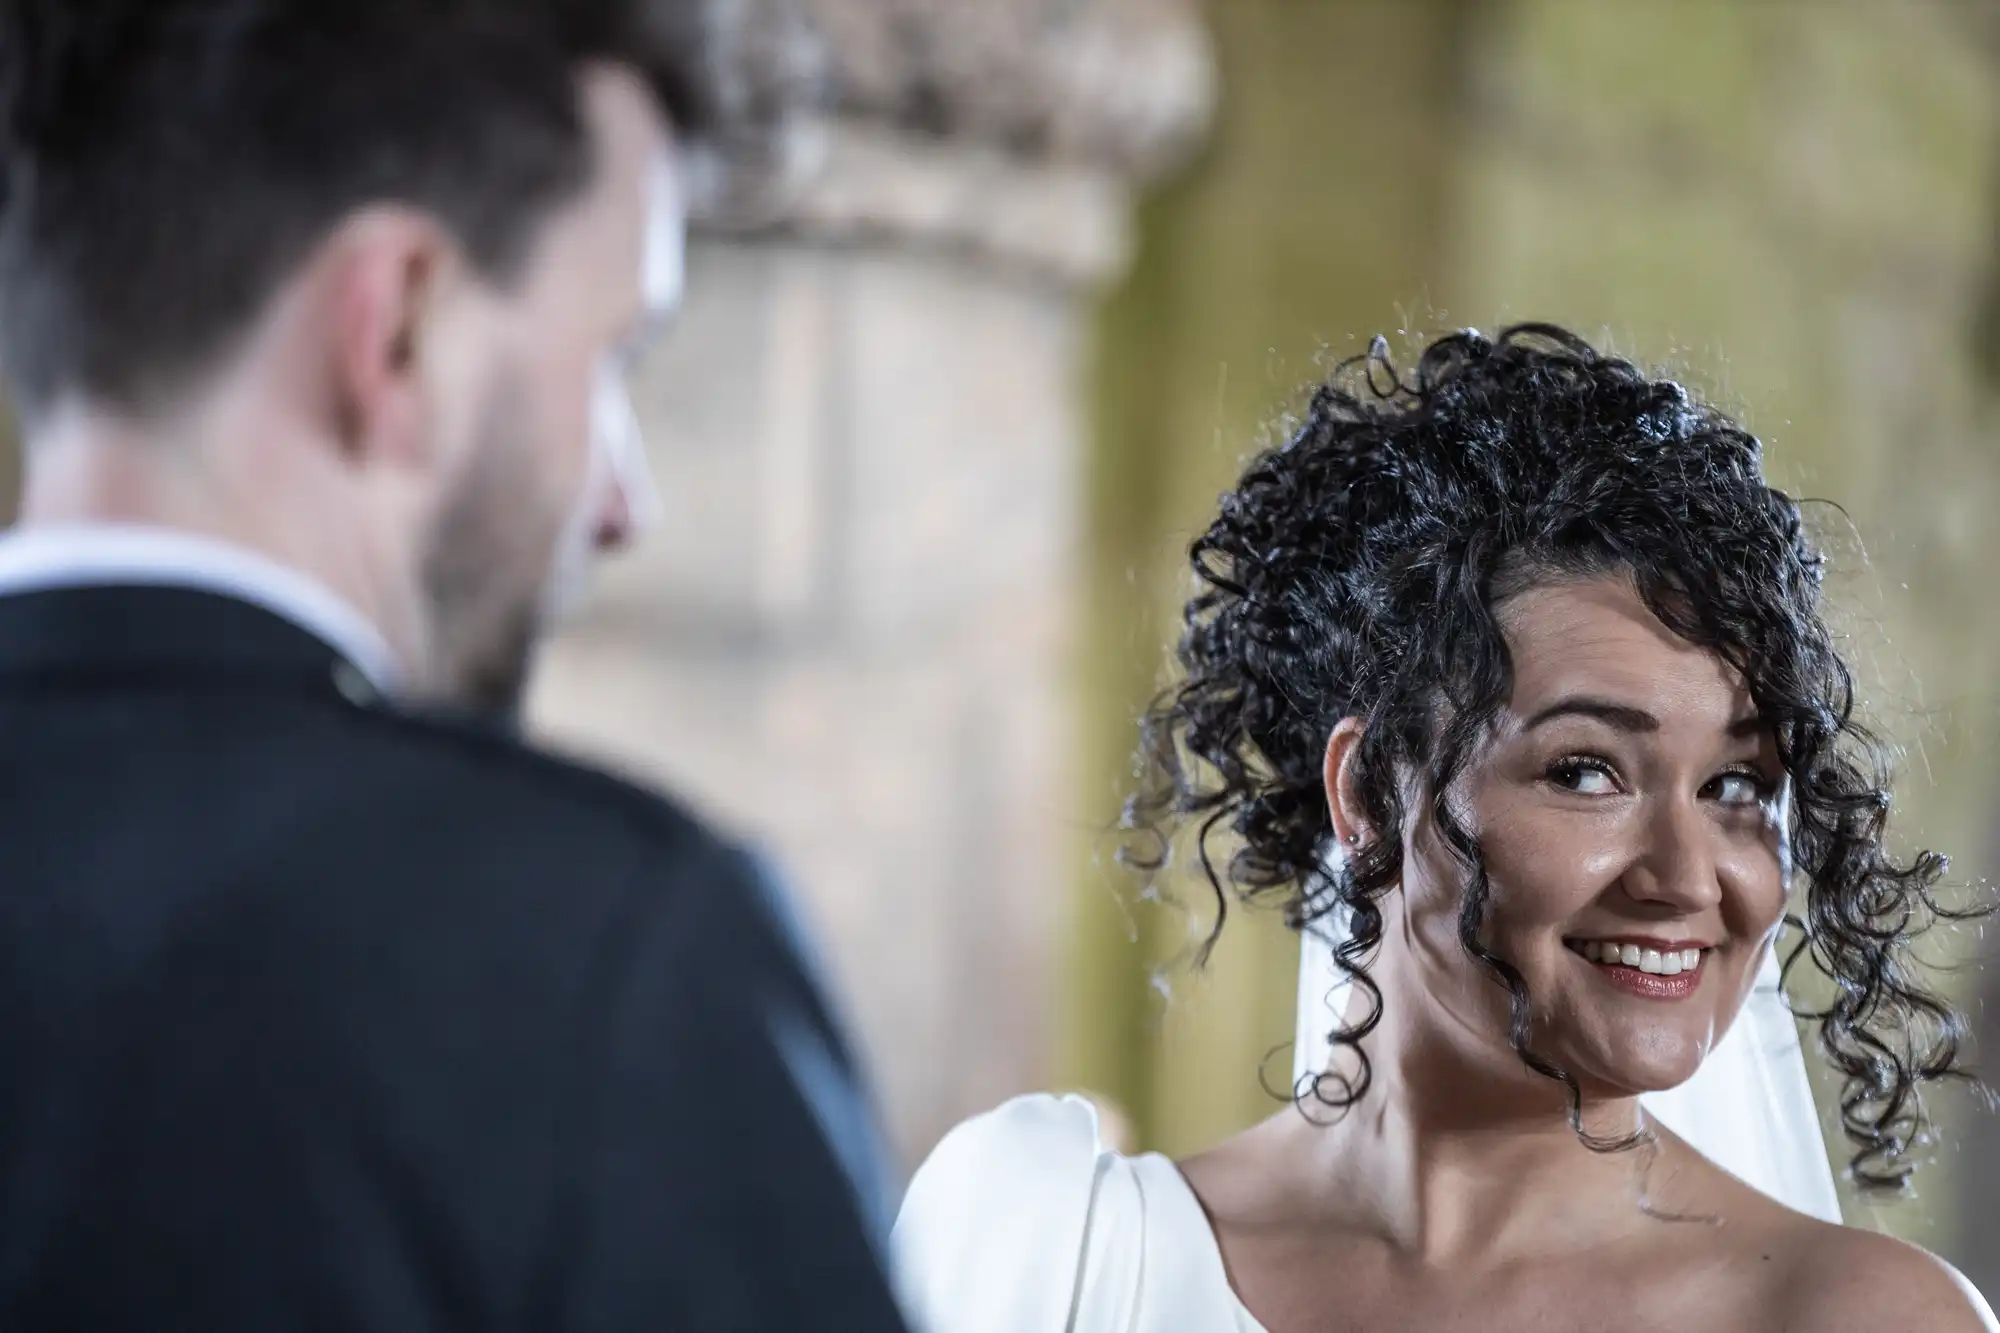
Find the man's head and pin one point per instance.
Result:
(353, 281)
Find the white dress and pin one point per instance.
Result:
(1022, 1221)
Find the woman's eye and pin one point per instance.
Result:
(1585, 777)
(1738, 789)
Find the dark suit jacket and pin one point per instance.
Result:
(314, 1015)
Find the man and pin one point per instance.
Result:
(327, 1004)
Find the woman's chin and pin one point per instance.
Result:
(1633, 1073)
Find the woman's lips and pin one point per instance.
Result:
(1652, 973)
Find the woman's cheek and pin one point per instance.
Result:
(1753, 878)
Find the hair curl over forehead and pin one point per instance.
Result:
(1355, 571)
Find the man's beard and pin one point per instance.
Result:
(488, 563)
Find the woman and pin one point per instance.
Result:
(1514, 674)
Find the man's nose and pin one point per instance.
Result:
(631, 502)
(615, 527)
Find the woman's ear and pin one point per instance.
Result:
(1343, 789)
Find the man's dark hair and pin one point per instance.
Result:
(165, 163)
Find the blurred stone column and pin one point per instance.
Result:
(851, 638)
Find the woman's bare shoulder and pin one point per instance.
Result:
(1845, 1280)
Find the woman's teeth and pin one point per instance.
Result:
(1671, 963)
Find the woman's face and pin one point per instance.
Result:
(1631, 809)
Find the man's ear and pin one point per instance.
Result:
(381, 275)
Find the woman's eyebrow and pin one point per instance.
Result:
(1625, 717)
(1750, 724)
(1629, 717)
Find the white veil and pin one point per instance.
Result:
(1748, 1109)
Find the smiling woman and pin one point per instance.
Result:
(1515, 666)
(1498, 569)
(1630, 799)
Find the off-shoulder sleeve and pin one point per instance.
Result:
(1020, 1222)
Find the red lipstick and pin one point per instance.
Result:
(1651, 985)
(1604, 957)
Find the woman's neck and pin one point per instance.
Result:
(1459, 1153)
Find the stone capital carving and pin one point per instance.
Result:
(1123, 85)
(1014, 130)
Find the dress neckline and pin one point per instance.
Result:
(1183, 1215)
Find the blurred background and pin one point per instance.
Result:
(933, 448)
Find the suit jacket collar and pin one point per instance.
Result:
(108, 555)
(84, 633)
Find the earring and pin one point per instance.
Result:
(1354, 839)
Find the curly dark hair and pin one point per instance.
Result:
(1355, 571)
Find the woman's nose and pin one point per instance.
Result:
(1677, 865)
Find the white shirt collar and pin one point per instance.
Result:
(41, 559)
